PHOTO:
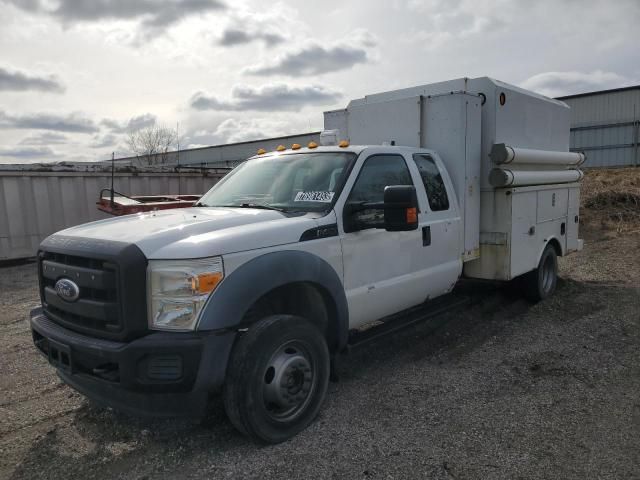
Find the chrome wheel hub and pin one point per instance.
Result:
(288, 381)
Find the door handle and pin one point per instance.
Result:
(426, 236)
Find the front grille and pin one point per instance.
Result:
(97, 310)
(111, 277)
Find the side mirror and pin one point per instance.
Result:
(400, 208)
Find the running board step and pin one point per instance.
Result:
(395, 323)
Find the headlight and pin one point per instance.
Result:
(178, 289)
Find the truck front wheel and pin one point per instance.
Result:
(277, 378)
(541, 282)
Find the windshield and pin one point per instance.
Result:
(294, 182)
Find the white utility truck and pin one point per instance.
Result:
(255, 290)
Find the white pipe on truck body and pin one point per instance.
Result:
(499, 177)
(505, 154)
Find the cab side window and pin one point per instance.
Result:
(433, 183)
(377, 172)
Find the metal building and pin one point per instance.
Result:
(606, 126)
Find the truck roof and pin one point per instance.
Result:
(351, 149)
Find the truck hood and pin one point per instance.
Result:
(198, 232)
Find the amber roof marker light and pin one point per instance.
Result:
(343, 143)
(261, 151)
(312, 145)
(281, 148)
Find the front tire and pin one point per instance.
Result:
(277, 378)
(541, 282)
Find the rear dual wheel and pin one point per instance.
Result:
(277, 378)
(541, 282)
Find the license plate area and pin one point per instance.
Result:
(60, 356)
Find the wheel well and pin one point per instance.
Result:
(304, 299)
(556, 246)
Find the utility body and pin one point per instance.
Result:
(253, 290)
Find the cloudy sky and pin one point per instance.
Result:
(77, 75)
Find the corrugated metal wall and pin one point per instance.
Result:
(35, 204)
(606, 126)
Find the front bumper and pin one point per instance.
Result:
(160, 374)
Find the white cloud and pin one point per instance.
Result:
(132, 125)
(277, 96)
(555, 84)
(232, 130)
(454, 22)
(244, 25)
(16, 80)
(152, 14)
(240, 36)
(72, 122)
(316, 59)
(104, 141)
(45, 138)
(27, 152)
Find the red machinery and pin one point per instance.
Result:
(116, 203)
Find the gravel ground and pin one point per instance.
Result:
(504, 390)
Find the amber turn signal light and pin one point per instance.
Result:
(205, 282)
(412, 215)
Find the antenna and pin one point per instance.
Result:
(178, 153)
(113, 167)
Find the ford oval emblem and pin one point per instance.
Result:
(67, 290)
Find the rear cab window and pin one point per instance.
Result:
(433, 182)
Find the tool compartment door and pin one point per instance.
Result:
(538, 214)
(573, 218)
(524, 231)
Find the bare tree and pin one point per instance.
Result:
(152, 143)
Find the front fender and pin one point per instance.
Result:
(230, 302)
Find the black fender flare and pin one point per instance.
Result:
(228, 304)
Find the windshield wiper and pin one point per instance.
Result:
(262, 206)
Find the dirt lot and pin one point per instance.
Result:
(503, 390)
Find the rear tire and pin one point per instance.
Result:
(277, 378)
(541, 282)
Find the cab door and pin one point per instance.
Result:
(387, 272)
(379, 266)
(441, 226)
